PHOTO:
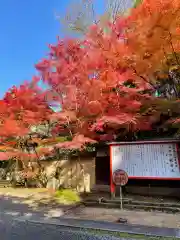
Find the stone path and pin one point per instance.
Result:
(133, 217)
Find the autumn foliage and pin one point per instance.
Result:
(21, 108)
(92, 87)
(104, 83)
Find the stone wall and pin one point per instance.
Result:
(73, 172)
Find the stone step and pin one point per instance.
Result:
(163, 203)
(145, 206)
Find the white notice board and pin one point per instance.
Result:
(146, 160)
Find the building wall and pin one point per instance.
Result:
(73, 173)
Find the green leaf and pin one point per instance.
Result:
(136, 3)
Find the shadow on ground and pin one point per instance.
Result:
(17, 207)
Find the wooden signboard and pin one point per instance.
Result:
(146, 160)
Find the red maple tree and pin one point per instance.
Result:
(96, 92)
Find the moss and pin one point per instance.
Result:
(67, 196)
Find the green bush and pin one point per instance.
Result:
(67, 196)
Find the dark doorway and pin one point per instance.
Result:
(103, 170)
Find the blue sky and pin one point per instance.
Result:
(27, 27)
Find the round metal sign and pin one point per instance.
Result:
(120, 177)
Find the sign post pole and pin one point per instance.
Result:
(121, 198)
(120, 178)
